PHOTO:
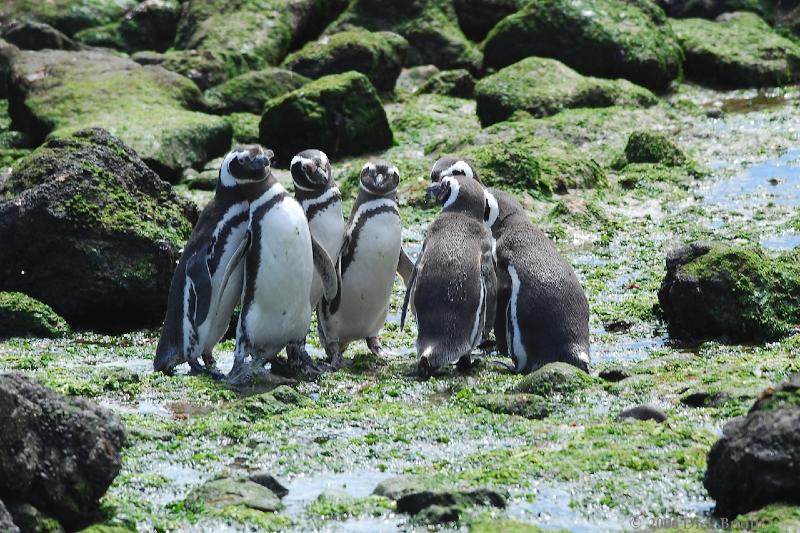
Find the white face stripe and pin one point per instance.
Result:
(475, 338)
(517, 348)
(304, 161)
(454, 188)
(224, 174)
(494, 209)
(235, 210)
(321, 199)
(459, 165)
(268, 195)
(369, 206)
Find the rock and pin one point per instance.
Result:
(151, 25)
(29, 35)
(339, 114)
(93, 232)
(106, 529)
(206, 178)
(555, 378)
(730, 292)
(544, 87)
(250, 91)
(653, 147)
(245, 130)
(458, 83)
(68, 16)
(396, 487)
(252, 34)
(227, 492)
(30, 520)
(417, 500)
(147, 107)
(6, 523)
(266, 479)
(57, 453)
(739, 50)
(430, 26)
(757, 460)
(204, 68)
(438, 514)
(377, 55)
(643, 412)
(703, 397)
(22, 316)
(477, 17)
(524, 405)
(7, 53)
(411, 79)
(711, 9)
(614, 374)
(604, 38)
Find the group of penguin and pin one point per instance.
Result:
(483, 266)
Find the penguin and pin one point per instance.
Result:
(198, 311)
(451, 285)
(367, 261)
(280, 257)
(542, 311)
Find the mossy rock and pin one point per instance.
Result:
(377, 55)
(245, 127)
(206, 69)
(30, 35)
(68, 16)
(555, 378)
(150, 25)
(458, 83)
(730, 292)
(711, 9)
(226, 492)
(23, 316)
(92, 232)
(478, 17)
(339, 114)
(784, 396)
(430, 26)
(148, 108)
(605, 38)
(739, 50)
(544, 87)
(100, 528)
(250, 91)
(652, 147)
(524, 405)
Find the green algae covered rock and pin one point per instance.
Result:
(555, 378)
(711, 9)
(524, 405)
(92, 232)
(478, 17)
(148, 108)
(68, 16)
(226, 492)
(730, 292)
(738, 50)
(339, 114)
(430, 26)
(151, 25)
(22, 316)
(605, 38)
(250, 91)
(204, 68)
(653, 147)
(245, 129)
(458, 83)
(544, 87)
(377, 55)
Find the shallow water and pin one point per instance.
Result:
(774, 181)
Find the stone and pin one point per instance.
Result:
(339, 114)
(543, 87)
(412, 78)
(396, 487)
(227, 492)
(23, 316)
(438, 514)
(478, 17)
(555, 378)
(653, 147)
(67, 16)
(711, 9)
(529, 406)
(614, 374)
(30, 35)
(250, 91)
(604, 38)
(415, 501)
(204, 68)
(266, 479)
(92, 232)
(151, 25)
(643, 412)
(56, 453)
(29, 519)
(6, 523)
(738, 50)
(7, 53)
(458, 83)
(245, 130)
(377, 55)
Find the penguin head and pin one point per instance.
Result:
(460, 193)
(509, 210)
(379, 178)
(452, 166)
(245, 165)
(311, 170)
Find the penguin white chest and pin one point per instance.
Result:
(327, 227)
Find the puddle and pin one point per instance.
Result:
(305, 489)
(552, 510)
(773, 181)
(763, 99)
(626, 348)
(787, 241)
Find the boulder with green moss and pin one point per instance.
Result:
(711, 9)
(555, 378)
(478, 17)
(525, 405)
(605, 38)
(227, 491)
(151, 25)
(379, 55)
(206, 69)
(458, 83)
(92, 232)
(340, 114)
(148, 108)
(250, 91)
(68, 16)
(23, 316)
(737, 50)
(544, 87)
(430, 26)
(30, 35)
(651, 147)
(245, 127)
(730, 292)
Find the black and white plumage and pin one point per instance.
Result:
(367, 261)
(199, 308)
(542, 312)
(453, 281)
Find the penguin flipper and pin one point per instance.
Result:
(410, 286)
(233, 264)
(197, 271)
(489, 275)
(331, 278)
(405, 267)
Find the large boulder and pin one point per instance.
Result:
(58, 454)
(148, 108)
(68, 16)
(458, 83)
(543, 87)
(22, 316)
(605, 38)
(29, 35)
(555, 378)
(250, 91)
(711, 9)
(206, 69)
(378, 55)
(340, 114)
(477, 17)
(757, 460)
(430, 26)
(6, 523)
(738, 50)
(150, 25)
(730, 292)
(92, 232)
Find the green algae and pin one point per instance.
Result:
(68, 16)
(250, 91)
(22, 316)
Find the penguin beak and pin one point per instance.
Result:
(438, 191)
(319, 176)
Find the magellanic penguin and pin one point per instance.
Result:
(280, 257)
(542, 312)
(198, 311)
(454, 277)
(368, 260)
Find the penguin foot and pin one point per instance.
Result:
(424, 369)
(374, 345)
(337, 360)
(301, 363)
(487, 345)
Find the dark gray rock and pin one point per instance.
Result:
(458, 83)
(150, 25)
(477, 17)
(614, 374)
(29, 35)
(56, 453)
(643, 412)
(6, 523)
(266, 479)
(227, 492)
(417, 500)
(396, 487)
(29, 519)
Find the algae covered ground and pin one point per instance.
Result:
(578, 468)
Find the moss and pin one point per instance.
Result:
(330, 505)
(205, 68)
(107, 35)
(68, 16)
(250, 91)
(775, 518)
(10, 141)
(106, 529)
(740, 51)
(653, 147)
(544, 87)
(490, 525)
(597, 37)
(524, 405)
(245, 128)
(458, 83)
(555, 378)
(21, 316)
